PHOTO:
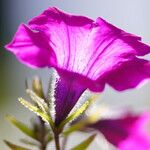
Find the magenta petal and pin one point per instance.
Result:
(78, 45)
(109, 49)
(115, 130)
(127, 132)
(68, 36)
(130, 74)
(90, 49)
(31, 47)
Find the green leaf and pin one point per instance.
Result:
(37, 111)
(28, 142)
(37, 87)
(78, 126)
(21, 126)
(84, 145)
(49, 138)
(40, 102)
(74, 127)
(79, 111)
(14, 146)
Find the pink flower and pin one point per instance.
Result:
(129, 132)
(85, 53)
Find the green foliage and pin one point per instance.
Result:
(84, 145)
(49, 138)
(39, 101)
(37, 111)
(74, 127)
(37, 87)
(14, 146)
(79, 111)
(43, 108)
(28, 142)
(21, 126)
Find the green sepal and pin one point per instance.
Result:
(84, 145)
(78, 126)
(49, 138)
(39, 101)
(37, 87)
(14, 146)
(21, 126)
(37, 111)
(74, 127)
(79, 111)
(28, 142)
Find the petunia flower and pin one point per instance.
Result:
(85, 53)
(129, 132)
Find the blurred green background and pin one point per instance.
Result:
(132, 16)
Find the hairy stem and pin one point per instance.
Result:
(43, 147)
(42, 137)
(56, 138)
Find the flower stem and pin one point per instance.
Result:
(43, 147)
(42, 135)
(56, 138)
